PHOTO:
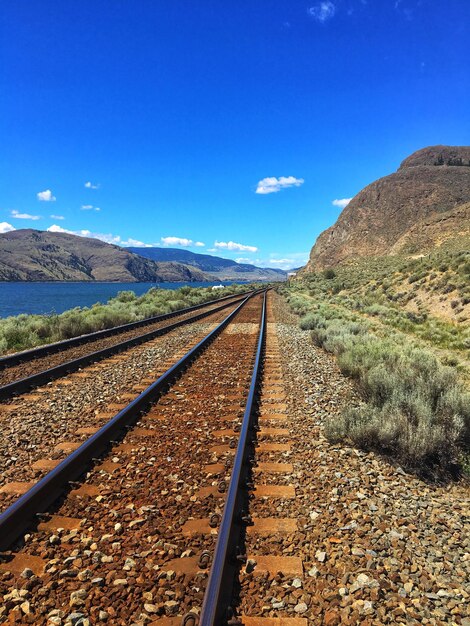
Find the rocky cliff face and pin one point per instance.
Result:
(431, 181)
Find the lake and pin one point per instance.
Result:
(16, 298)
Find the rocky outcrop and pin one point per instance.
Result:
(431, 181)
(451, 228)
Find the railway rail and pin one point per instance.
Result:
(28, 355)
(24, 371)
(179, 472)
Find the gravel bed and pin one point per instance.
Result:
(40, 421)
(378, 546)
(116, 568)
(34, 366)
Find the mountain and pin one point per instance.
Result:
(403, 211)
(33, 255)
(218, 268)
(450, 229)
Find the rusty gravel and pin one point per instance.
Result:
(35, 423)
(118, 566)
(28, 368)
(378, 546)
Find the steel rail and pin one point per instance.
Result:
(34, 380)
(20, 515)
(59, 346)
(217, 604)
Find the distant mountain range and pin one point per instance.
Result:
(216, 267)
(34, 255)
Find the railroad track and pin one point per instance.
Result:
(134, 541)
(45, 421)
(26, 370)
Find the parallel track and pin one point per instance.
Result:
(27, 383)
(59, 346)
(220, 596)
(217, 606)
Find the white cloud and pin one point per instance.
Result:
(106, 237)
(5, 227)
(57, 217)
(271, 184)
(231, 245)
(343, 202)
(211, 249)
(55, 228)
(281, 261)
(46, 196)
(323, 11)
(24, 216)
(89, 207)
(135, 243)
(90, 185)
(285, 261)
(182, 242)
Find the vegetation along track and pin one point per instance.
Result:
(26, 370)
(130, 540)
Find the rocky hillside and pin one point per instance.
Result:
(32, 255)
(404, 211)
(216, 267)
(450, 229)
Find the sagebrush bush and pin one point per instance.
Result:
(414, 408)
(26, 331)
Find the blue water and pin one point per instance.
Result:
(16, 298)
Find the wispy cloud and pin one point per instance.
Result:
(89, 207)
(46, 196)
(341, 202)
(322, 11)
(135, 243)
(231, 245)
(106, 237)
(5, 227)
(90, 185)
(55, 228)
(24, 216)
(281, 261)
(57, 217)
(407, 11)
(271, 184)
(181, 242)
(286, 261)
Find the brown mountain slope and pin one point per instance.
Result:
(32, 255)
(431, 181)
(448, 229)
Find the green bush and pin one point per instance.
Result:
(26, 331)
(414, 408)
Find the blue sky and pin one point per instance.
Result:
(230, 124)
